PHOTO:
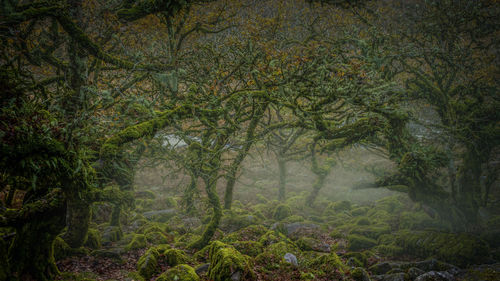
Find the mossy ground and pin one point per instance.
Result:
(332, 240)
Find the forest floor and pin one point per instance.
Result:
(347, 235)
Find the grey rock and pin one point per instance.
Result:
(414, 272)
(324, 247)
(292, 228)
(381, 268)
(202, 268)
(236, 276)
(394, 277)
(191, 223)
(360, 274)
(436, 276)
(291, 258)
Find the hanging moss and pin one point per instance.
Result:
(180, 272)
(226, 261)
(175, 256)
(147, 266)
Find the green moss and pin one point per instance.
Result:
(93, 239)
(135, 276)
(306, 243)
(360, 211)
(336, 207)
(175, 256)
(371, 231)
(272, 237)
(226, 261)
(293, 218)
(363, 221)
(273, 255)
(282, 211)
(157, 238)
(147, 266)
(249, 248)
(181, 272)
(393, 204)
(250, 233)
(138, 242)
(417, 220)
(359, 242)
(362, 257)
(460, 249)
(61, 248)
(389, 250)
(359, 274)
(329, 266)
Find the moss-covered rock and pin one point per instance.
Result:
(360, 274)
(181, 272)
(249, 248)
(359, 242)
(138, 241)
(63, 250)
(272, 237)
(281, 212)
(371, 231)
(359, 211)
(417, 220)
(175, 256)
(158, 238)
(231, 221)
(273, 256)
(93, 239)
(337, 207)
(329, 266)
(459, 249)
(250, 233)
(111, 234)
(225, 262)
(147, 266)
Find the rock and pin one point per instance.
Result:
(225, 261)
(389, 277)
(236, 276)
(202, 268)
(359, 242)
(436, 276)
(291, 258)
(175, 256)
(414, 272)
(147, 265)
(360, 274)
(292, 228)
(107, 254)
(181, 272)
(138, 242)
(111, 234)
(381, 268)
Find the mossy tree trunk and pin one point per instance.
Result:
(77, 221)
(31, 252)
(235, 166)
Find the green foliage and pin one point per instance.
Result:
(93, 239)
